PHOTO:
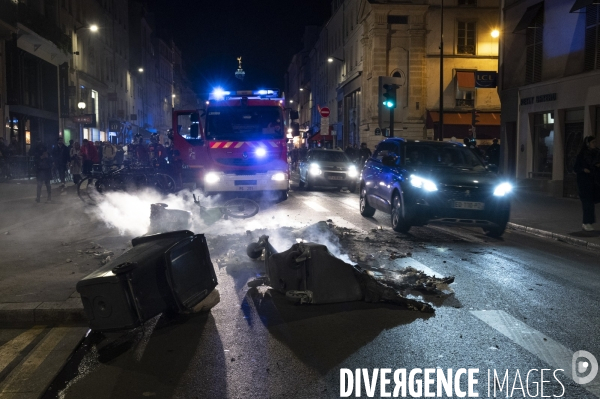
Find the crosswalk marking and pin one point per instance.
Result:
(19, 377)
(545, 348)
(10, 350)
(315, 206)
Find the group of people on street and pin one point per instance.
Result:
(77, 159)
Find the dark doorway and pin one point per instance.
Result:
(573, 140)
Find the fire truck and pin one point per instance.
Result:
(237, 144)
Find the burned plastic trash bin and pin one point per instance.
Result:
(163, 219)
(309, 273)
(163, 273)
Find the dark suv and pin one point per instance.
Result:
(423, 181)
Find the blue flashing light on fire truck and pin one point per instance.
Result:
(237, 144)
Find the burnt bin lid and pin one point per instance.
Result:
(145, 249)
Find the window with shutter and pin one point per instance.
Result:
(534, 43)
(466, 38)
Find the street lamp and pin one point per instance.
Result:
(495, 33)
(81, 105)
(93, 28)
(140, 70)
(331, 58)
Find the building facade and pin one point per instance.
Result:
(549, 74)
(368, 43)
(76, 69)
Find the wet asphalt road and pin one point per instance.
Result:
(519, 303)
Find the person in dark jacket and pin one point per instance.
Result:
(43, 175)
(61, 157)
(493, 153)
(587, 167)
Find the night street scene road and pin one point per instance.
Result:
(299, 199)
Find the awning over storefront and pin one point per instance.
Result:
(466, 80)
(465, 118)
(458, 124)
(319, 137)
(528, 17)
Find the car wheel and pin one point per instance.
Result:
(365, 209)
(497, 230)
(283, 195)
(399, 222)
(352, 188)
(301, 184)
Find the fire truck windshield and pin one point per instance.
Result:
(244, 123)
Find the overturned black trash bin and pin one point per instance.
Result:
(170, 272)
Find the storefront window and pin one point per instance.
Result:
(543, 145)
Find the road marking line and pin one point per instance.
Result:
(10, 350)
(315, 206)
(19, 377)
(546, 349)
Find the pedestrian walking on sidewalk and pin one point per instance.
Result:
(587, 168)
(43, 175)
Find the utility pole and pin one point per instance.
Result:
(442, 73)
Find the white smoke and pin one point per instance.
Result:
(129, 213)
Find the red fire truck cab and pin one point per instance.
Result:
(237, 144)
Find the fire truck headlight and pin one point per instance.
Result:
(211, 178)
(280, 176)
(261, 152)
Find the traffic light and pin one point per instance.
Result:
(389, 97)
(474, 117)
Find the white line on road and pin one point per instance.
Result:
(547, 349)
(10, 350)
(315, 206)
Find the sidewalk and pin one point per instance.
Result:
(46, 249)
(550, 217)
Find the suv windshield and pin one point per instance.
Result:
(451, 156)
(244, 123)
(328, 156)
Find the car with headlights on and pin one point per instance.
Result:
(418, 182)
(331, 168)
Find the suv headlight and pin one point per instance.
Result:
(425, 184)
(314, 169)
(502, 189)
(352, 172)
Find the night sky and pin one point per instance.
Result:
(212, 34)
